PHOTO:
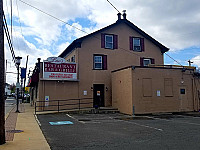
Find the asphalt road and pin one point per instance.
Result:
(9, 104)
(117, 131)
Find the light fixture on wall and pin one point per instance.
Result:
(182, 81)
(91, 88)
(106, 88)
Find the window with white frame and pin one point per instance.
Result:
(146, 62)
(136, 44)
(109, 41)
(98, 63)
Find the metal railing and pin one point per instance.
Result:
(61, 105)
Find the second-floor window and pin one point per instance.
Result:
(73, 58)
(100, 62)
(146, 61)
(109, 41)
(136, 44)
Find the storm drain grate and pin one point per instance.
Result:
(15, 131)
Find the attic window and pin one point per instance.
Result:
(109, 41)
(136, 44)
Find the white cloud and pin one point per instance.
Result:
(173, 23)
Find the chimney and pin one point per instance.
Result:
(124, 14)
(119, 16)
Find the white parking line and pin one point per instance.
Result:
(75, 119)
(146, 126)
(183, 122)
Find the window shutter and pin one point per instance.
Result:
(142, 44)
(152, 61)
(102, 40)
(141, 61)
(115, 41)
(131, 42)
(104, 62)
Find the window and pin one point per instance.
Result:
(97, 62)
(73, 59)
(136, 44)
(109, 41)
(146, 61)
(100, 62)
(182, 91)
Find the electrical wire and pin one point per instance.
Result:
(132, 52)
(5, 26)
(113, 6)
(173, 59)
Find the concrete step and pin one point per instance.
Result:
(101, 110)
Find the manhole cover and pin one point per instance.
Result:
(15, 131)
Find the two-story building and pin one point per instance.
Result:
(116, 46)
(113, 48)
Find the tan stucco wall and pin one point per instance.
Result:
(122, 91)
(117, 58)
(149, 102)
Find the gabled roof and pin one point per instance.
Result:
(77, 43)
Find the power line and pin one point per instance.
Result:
(71, 25)
(8, 38)
(132, 52)
(113, 6)
(173, 59)
(20, 24)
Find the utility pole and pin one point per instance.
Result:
(190, 62)
(2, 81)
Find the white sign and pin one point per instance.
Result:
(46, 101)
(59, 71)
(56, 59)
(84, 92)
(17, 85)
(158, 93)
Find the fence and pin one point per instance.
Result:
(60, 105)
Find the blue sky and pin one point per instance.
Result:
(175, 24)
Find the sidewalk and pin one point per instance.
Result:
(31, 137)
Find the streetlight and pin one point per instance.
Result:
(18, 85)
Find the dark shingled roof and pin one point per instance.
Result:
(77, 43)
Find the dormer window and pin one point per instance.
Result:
(109, 41)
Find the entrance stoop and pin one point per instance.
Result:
(101, 110)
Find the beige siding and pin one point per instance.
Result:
(122, 91)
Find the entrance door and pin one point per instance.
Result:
(98, 93)
(183, 98)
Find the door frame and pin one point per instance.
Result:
(99, 101)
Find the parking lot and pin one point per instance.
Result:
(118, 131)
